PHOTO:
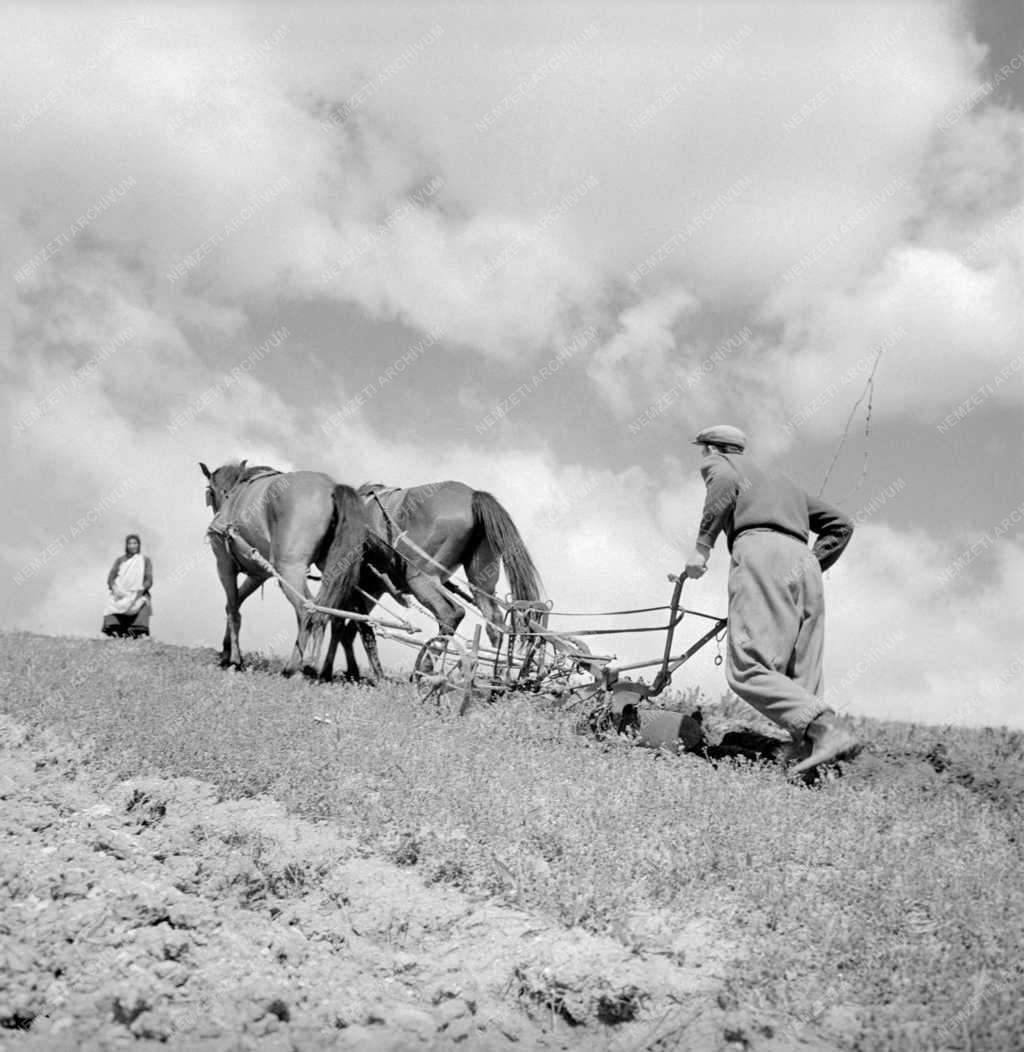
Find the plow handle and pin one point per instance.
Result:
(664, 677)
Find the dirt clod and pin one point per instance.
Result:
(147, 910)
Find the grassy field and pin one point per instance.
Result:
(883, 908)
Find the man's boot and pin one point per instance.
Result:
(831, 739)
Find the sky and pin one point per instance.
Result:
(533, 247)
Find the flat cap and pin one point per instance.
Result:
(721, 435)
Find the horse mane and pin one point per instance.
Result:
(368, 488)
(249, 471)
(232, 473)
(260, 469)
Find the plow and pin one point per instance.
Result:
(527, 650)
(452, 672)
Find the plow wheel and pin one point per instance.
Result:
(548, 665)
(443, 674)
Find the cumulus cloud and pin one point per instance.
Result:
(913, 636)
(946, 290)
(748, 201)
(642, 352)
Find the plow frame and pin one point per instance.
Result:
(451, 673)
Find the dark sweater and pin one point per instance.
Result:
(741, 495)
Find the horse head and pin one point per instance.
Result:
(220, 482)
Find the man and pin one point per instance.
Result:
(129, 605)
(776, 598)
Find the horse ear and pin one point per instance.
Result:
(241, 467)
(206, 470)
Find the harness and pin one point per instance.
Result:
(373, 492)
(229, 533)
(221, 525)
(396, 536)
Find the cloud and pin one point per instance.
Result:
(491, 180)
(946, 290)
(213, 138)
(907, 640)
(604, 541)
(641, 354)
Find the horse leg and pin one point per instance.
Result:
(293, 584)
(345, 634)
(248, 586)
(369, 638)
(231, 654)
(431, 593)
(348, 638)
(482, 567)
(342, 632)
(243, 591)
(315, 630)
(327, 668)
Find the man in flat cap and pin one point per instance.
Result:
(776, 599)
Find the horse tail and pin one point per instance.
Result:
(500, 531)
(345, 556)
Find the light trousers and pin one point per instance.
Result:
(777, 629)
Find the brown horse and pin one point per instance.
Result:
(294, 520)
(416, 539)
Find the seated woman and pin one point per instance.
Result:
(129, 607)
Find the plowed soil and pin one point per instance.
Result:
(150, 911)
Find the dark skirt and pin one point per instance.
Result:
(127, 624)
